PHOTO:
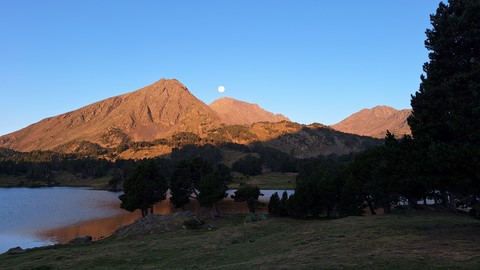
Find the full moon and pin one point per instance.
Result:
(221, 89)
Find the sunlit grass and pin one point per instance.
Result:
(272, 180)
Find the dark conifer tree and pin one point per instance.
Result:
(446, 109)
(143, 188)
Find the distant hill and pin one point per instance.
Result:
(154, 120)
(234, 111)
(375, 122)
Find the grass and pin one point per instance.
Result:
(62, 178)
(272, 180)
(95, 183)
(12, 181)
(424, 240)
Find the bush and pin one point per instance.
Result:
(193, 223)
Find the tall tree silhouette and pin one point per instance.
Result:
(446, 109)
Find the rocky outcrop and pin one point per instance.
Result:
(16, 250)
(81, 240)
(155, 224)
(315, 140)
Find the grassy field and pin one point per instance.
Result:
(272, 180)
(64, 179)
(424, 240)
(12, 181)
(95, 183)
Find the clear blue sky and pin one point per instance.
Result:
(313, 61)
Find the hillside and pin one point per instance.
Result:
(146, 114)
(421, 240)
(375, 122)
(234, 111)
(298, 140)
(153, 120)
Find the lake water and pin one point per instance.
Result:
(25, 214)
(44, 216)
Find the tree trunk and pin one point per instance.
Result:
(387, 208)
(216, 208)
(212, 215)
(370, 205)
(451, 202)
(412, 203)
(444, 199)
(328, 211)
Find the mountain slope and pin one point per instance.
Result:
(119, 127)
(238, 112)
(375, 122)
(301, 141)
(159, 109)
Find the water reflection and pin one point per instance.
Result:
(103, 227)
(27, 212)
(37, 217)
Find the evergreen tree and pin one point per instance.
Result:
(198, 179)
(249, 165)
(116, 182)
(143, 188)
(211, 189)
(283, 204)
(317, 187)
(446, 108)
(274, 204)
(248, 194)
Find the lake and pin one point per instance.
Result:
(32, 217)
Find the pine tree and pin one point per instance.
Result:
(143, 188)
(446, 109)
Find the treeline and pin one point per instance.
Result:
(378, 178)
(42, 165)
(442, 158)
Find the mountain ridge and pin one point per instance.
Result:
(155, 119)
(163, 107)
(235, 111)
(375, 122)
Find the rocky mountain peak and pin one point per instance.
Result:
(159, 109)
(375, 122)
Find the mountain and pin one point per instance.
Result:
(301, 141)
(375, 122)
(154, 120)
(304, 141)
(234, 111)
(157, 110)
